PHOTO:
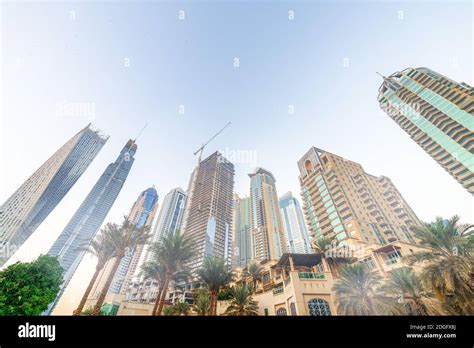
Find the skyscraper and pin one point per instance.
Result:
(209, 209)
(437, 113)
(169, 220)
(170, 216)
(269, 241)
(87, 220)
(242, 232)
(342, 201)
(141, 214)
(33, 201)
(294, 225)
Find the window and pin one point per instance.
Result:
(293, 308)
(318, 307)
(266, 311)
(281, 312)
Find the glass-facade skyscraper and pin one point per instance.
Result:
(243, 241)
(33, 201)
(87, 220)
(437, 113)
(294, 225)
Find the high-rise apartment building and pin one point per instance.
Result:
(85, 223)
(208, 219)
(242, 232)
(141, 215)
(294, 225)
(342, 201)
(269, 242)
(169, 221)
(437, 113)
(30, 204)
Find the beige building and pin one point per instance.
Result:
(268, 234)
(438, 114)
(342, 201)
(301, 284)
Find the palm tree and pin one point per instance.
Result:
(254, 270)
(332, 252)
(172, 253)
(242, 303)
(181, 308)
(215, 274)
(102, 249)
(405, 283)
(202, 302)
(357, 294)
(448, 263)
(122, 237)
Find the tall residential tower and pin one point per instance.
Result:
(87, 220)
(209, 209)
(33, 201)
(294, 225)
(342, 201)
(437, 113)
(269, 242)
(242, 232)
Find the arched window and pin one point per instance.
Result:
(308, 166)
(318, 307)
(281, 311)
(292, 308)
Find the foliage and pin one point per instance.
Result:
(357, 293)
(447, 264)
(28, 288)
(225, 294)
(242, 303)
(202, 301)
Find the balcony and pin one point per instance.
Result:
(278, 291)
(310, 275)
(391, 261)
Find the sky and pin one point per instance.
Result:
(288, 75)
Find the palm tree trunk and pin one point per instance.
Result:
(213, 302)
(157, 301)
(163, 296)
(105, 289)
(79, 308)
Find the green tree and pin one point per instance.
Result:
(101, 248)
(405, 285)
(170, 256)
(254, 270)
(357, 292)
(202, 301)
(180, 308)
(28, 288)
(334, 254)
(242, 303)
(216, 275)
(448, 263)
(123, 238)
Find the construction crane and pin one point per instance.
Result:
(201, 149)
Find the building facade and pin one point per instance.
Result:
(269, 240)
(343, 202)
(85, 223)
(438, 114)
(294, 225)
(140, 290)
(33, 201)
(209, 209)
(243, 241)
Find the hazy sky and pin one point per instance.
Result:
(188, 73)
